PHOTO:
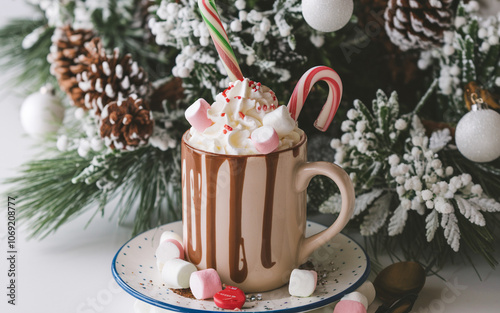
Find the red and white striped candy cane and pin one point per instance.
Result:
(305, 85)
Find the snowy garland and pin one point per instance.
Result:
(412, 174)
(469, 54)
(252, 33)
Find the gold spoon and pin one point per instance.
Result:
(397, 286)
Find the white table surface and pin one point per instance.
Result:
(70, 271)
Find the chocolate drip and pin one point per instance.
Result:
(237, 168)
(267, 222)
(296, 151)
(213, 164)
(193, 193)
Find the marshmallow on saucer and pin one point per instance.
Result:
(205, 284)
(176, 273)
(197, 116)
(302, 283)
(368, 290)
(354, 302)
(170, 235)
(265, 139)
(168, 249)
(280, 120)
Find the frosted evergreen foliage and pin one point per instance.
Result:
(394, 164)
(471, 53)
(250, 31)
(369, 139)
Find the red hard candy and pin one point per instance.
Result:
(230, 298)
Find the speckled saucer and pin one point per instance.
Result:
(342, 266)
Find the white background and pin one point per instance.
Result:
(70, 271)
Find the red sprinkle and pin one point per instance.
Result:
(227, 100)
(229, 128)
(224, 131)
(265, 107)
(258, 108)
(222, 114)
(242, 115)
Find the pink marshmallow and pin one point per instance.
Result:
(205, 284)
(197, 116)
(349, 306)
(265, 139)
(167, 250)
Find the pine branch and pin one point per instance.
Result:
(28, 65)
(49, 198)
(146, 179)
(426, 97)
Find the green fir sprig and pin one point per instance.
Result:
(25, 57)
(60, 187)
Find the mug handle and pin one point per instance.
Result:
(305, 172)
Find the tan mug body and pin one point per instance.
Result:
(245, 216)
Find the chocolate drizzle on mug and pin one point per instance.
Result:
(237, 168)
(267, 220)
(193, 193)
(213, 164)
(202, 190)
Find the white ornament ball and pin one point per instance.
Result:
(327, 15)
(41, 113)
(477, 136)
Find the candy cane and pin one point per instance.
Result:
(218, 33)
(305, 85)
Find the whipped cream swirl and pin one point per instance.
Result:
(236, 113)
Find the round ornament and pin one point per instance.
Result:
(477, 136)
(41, 113)
(327, 15)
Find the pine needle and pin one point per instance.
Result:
(144, 179)
(28, 66)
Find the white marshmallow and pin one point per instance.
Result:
(302, 283)
(368, 290)
(176, 273)
(167, 250)
(170, 235)
(165, 236)
(280, 120)
(358, 297)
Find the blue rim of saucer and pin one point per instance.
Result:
(303, 308)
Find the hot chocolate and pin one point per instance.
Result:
(245, 174)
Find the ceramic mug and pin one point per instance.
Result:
(245, 215)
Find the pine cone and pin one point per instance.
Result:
(67, 45)
(412, 24)
(126, 124)
(171, 91)
(109, 77)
